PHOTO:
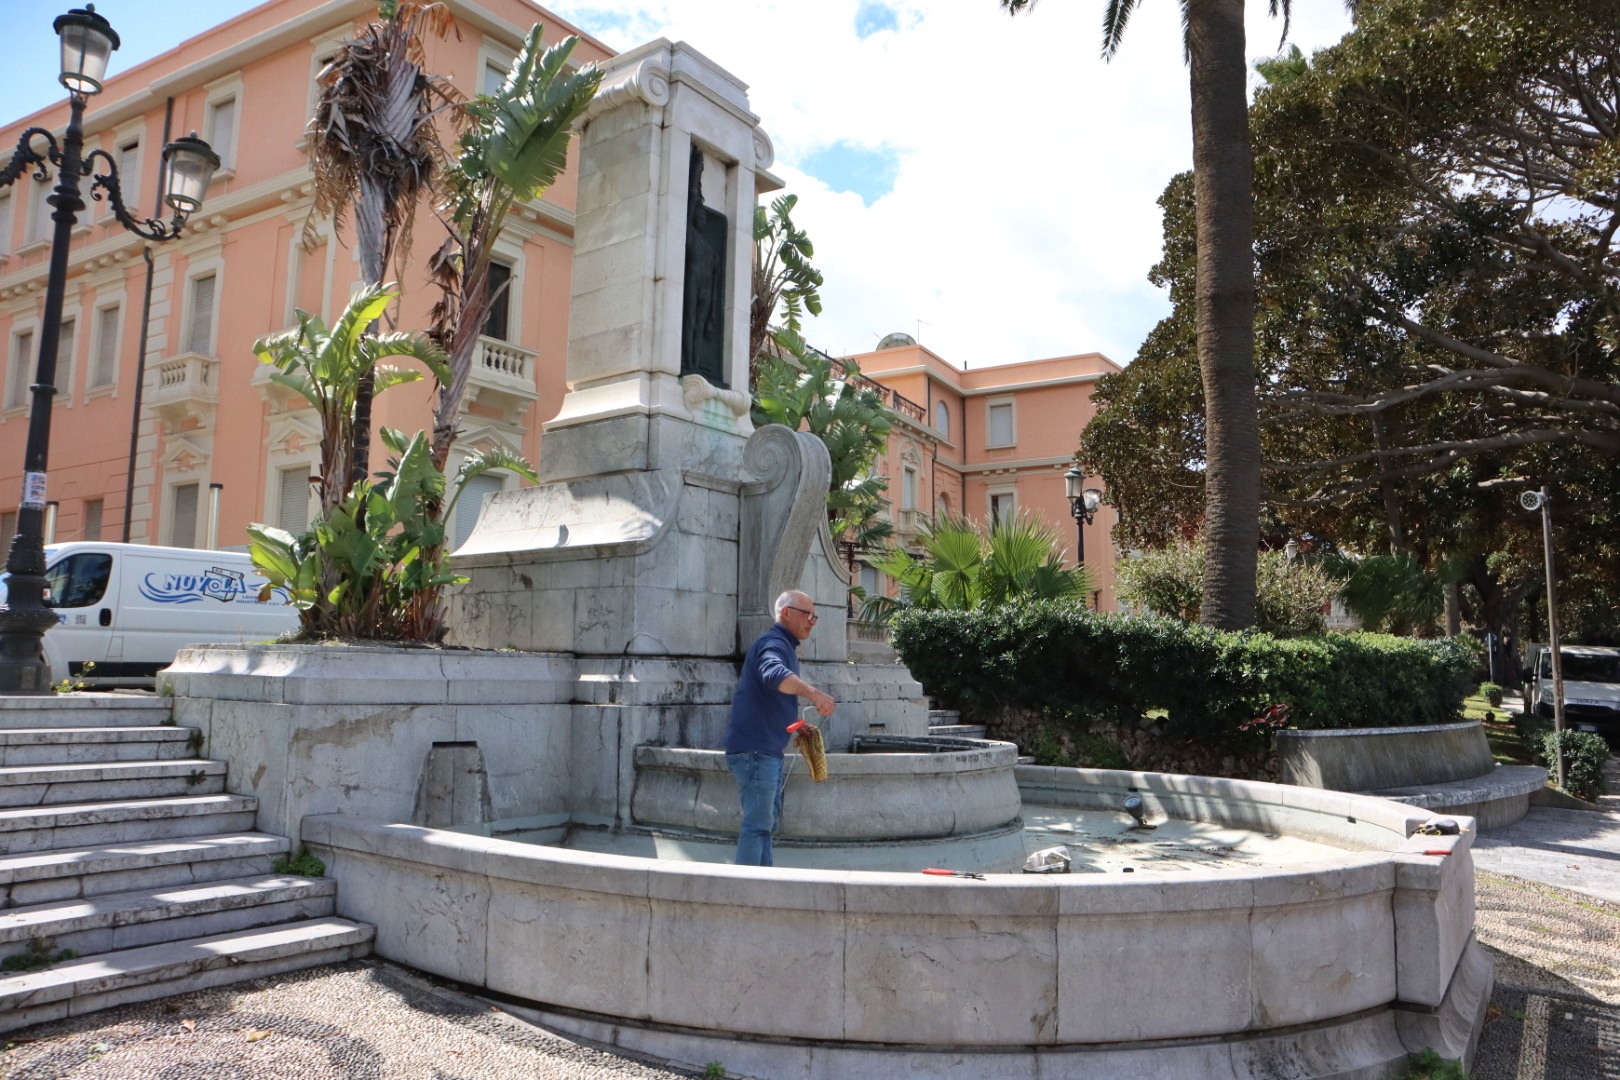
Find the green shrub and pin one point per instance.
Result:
(1584, 755)
(1066, 662)
(1491, 692)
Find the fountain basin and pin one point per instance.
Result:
(960, 787)
(1339, 966)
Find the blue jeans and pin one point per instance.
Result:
(760, 782)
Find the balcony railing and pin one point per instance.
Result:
(184, 385)
(505, 367)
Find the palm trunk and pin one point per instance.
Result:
(1223, 171)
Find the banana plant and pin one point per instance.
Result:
(375, 565)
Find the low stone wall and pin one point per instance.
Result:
(1368, 759)
(1115, 746)
(1338, 968)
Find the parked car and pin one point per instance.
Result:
(127, 609)
(1591, 687)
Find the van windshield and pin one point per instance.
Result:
(1591, 668)
(78, 580)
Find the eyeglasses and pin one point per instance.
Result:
(802, 611)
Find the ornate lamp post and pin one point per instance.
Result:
(1083, 503)
(188, 164)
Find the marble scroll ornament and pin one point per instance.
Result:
(784, 506)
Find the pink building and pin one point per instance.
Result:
(208, 416)
(989, 443)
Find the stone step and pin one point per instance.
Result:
(966, 731)
(84, 710)
(40, 828)
(944, 716)
(58, 746)
(43, 876)
(85, 985)
(148, 916)
(38, 785)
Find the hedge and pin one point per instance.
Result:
(1065, 661)
(1584, 755)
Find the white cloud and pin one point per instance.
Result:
(1024, 216)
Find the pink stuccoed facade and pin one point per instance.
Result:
(979, 442)
(209, 415)
(990, 442)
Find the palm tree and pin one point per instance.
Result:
(514, 148)
(1223, 172)
(373, 146)
(962, 568)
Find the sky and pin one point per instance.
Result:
(986, 184)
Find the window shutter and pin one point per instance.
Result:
(471, 504)
(129, 176)
(183, 516)
(92, 519)
(292, 510)
(1001, 425)
(222, 132)
(64, 359)
(202, 314)
(106, 365)
(22, 362)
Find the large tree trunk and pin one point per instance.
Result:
(1223, 173)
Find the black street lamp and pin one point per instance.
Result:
(87, 44)
(1083, 503)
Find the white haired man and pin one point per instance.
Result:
(765, 703)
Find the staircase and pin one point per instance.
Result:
(949, 722)
(119, 844)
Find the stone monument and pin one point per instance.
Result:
(664, 525)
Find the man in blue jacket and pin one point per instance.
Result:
(765, 703)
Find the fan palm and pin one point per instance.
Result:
(962, 568)
(1223, 174)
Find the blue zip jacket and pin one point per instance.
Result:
(760, 712)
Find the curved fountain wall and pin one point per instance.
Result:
(966, 787)
(1338, 968)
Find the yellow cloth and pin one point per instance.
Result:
(809, 743)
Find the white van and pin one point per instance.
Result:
(128, 608)
(1591, 687)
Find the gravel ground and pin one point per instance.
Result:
(363, 1020)
(1555, 1015)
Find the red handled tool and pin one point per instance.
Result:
(942, 872)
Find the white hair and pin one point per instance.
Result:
(785, 601)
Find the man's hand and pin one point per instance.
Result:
(823, 702)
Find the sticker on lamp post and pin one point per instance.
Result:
(33, 495)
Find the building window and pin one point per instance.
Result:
(942, 419)
(494, 77)
(498, 323)
(39, 212)
(92, 519)
(200, 331)
(22, 361)
(64, 360)
(942, 507)
(999, 426)
(292, 503)
(221, 129)
(471, 504)
(1003, 508)
(908, 489)
(129, 176)
(5, 220)
(183, 515)
(871, 580)
(8, 525)
(104, 367)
